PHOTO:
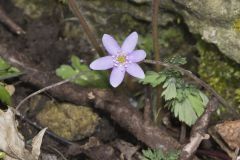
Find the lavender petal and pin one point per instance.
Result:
(102, 63)
(110, 44)
(130, 43)
(135, 70)
(137, 56)
(117, 76)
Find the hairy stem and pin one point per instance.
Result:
(10, 23)
(155, 9)
(90, 34)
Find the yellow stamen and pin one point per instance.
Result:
(121, 59)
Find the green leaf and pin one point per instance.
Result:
(197, 104)
(7, 75)
(176, 108)
(180, 95)
(157, 154)
(171, 91)
(161, 79)
(153, 78)
(150, 78)
(189, 116)
(4, 95)
(177, 60)
(86, 77)
(204, 98)
(66, 72)
(77, 64)
(184, 111)
(4, 65)
(6, 71)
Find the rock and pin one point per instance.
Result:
(220, 72)
(215, 20)
(227, 135)
(230, 133)
(69, 121)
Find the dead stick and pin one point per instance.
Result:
(45, 89)
(10, 23)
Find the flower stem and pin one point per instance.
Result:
(155, 9)
(90, 34)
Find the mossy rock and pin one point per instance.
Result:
(68, 121)
(220, 72)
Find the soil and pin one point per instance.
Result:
(43, 41)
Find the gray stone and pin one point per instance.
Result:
(213, 20)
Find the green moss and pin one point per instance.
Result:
(220, 72)
(68, 121)
(237, 92)
(236, 25)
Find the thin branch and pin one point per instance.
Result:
(10, 23)
(41, 90)
(196, 79)
(90, 34)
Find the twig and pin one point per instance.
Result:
(198, 132)
(42, 90)
(10, 23)
(196, 79)
(90, 34)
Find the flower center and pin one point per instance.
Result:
(121, 59)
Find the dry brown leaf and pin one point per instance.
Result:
(12, 142)
(36, 143)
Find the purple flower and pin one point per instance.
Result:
(121, 59)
